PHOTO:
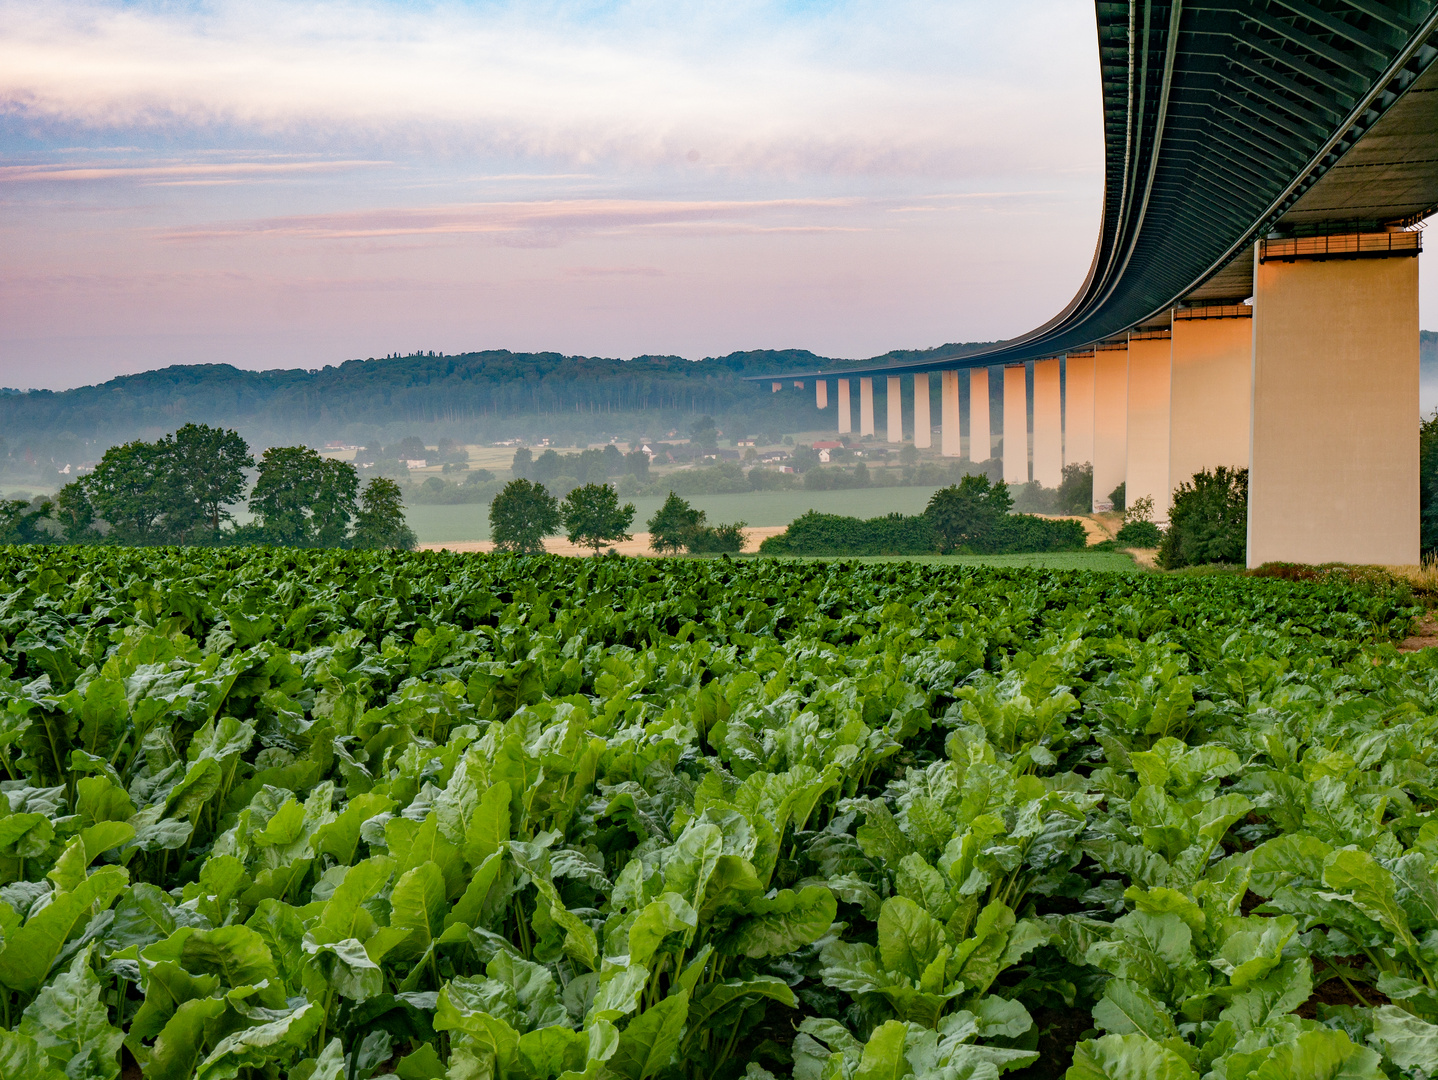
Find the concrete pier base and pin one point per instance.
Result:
(1078, 409)
(1212, 403)
(866, 406)
(894, 429)
(981, 446)
(923, 418)
(846, 415)
(1149, 381)
(1048, 424)
(1110, 422)
(1016, 425)
(949, 414)
(1334, 474)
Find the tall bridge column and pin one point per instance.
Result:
(1110, 421)
(1149, 389)
(894, 429)
(1016, 425)
(1212, 389)
(1334, 474)
(846, 415)
(923, 418)
(866, 406)
(821, 393)
(1078, 408)
(949, 413)
(981, 446)
(1048, 421)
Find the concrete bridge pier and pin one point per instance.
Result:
(923, 418)
(1078, 408)
(1048, 424)
(894, 429)
(1110, 421)
(1334, 473)
(1150, 377)
(821, 393)
(949, 414)
(1212, 400)
(846, 416)
(866, 406)
(981, 446)
(1016, 425)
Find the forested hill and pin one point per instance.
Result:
(483, 395)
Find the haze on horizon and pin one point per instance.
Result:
(292, 185)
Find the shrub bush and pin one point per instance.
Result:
(832, 534)
(1209, 520)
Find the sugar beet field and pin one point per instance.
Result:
(324, 815)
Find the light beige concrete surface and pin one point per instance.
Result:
(1078, 409)
(846, 414)
(949, 442)
(1149, 380)
(1048, 424)
(1212, 396)
(923, 418)
(1016, 425)
(894, 426)
(866, 406)
(1335, 412)
(981, 443)
(1110, 424)
(821, 393)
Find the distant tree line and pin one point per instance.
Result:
(493, 390)
(182, 488)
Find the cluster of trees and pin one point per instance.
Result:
(586, 467)
(182, 488)
(971, 517)
(524, 513)
(676, 526)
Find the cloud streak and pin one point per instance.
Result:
(637, 87)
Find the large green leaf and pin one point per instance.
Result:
(883, 1057)
(648, 1044)
(68, 1021)
(28, 955)
(1127, 1057)
(22, 1058)
(779, 925)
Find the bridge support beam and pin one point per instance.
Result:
(1334, 473)
(821, 393)
(866, 406)
(1149, 389)
(1048, 424)
(981, 446)
(949, 414)
(923, 418)
(1016, 425)
(1110, 422)
(894, 429)
(846, 415)
(1212, 390)
(1078, 409)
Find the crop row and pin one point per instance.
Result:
(313, 814)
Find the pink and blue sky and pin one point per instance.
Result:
(272, 184)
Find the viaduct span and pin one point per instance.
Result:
(1253, 298)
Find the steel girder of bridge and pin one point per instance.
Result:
(1227, 122)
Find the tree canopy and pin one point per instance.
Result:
(594, 518)
(521, 516)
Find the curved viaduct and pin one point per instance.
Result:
(1253, 298)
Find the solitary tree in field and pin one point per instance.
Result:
(594, 518)
(521, 516)
(673, 524)
(969, 514)
(380, 522)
